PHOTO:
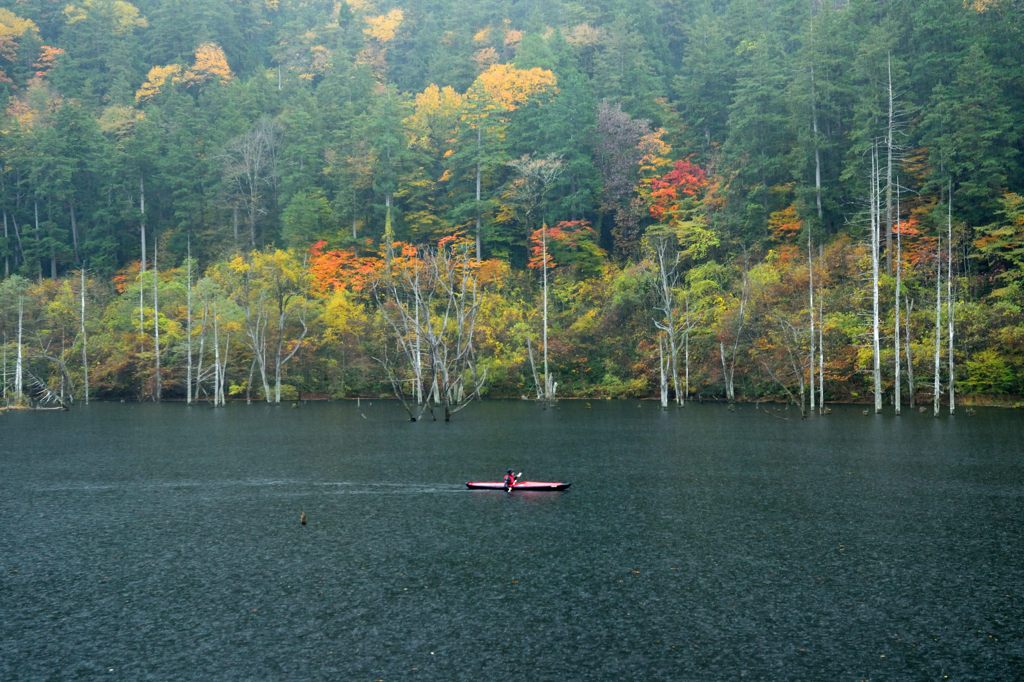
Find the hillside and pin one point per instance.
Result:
(683, 198)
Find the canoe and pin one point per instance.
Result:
(539, 486)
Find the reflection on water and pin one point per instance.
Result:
(164, 541)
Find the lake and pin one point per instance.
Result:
(163, 542)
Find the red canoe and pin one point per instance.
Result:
(520, 485)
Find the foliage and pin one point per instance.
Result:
(303, 151)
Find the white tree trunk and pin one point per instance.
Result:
(876, 367)
(144, 254)
(217, 378)
(19, 361)
(188, 323)
(281, 358)
(156, 326)
(810, 311)
(936, 386)
(730, 394)
(888, 175)
(479, 151)
(199, 354)
(224, 369)
(85, 341)
(897, 399)
(417, 364)
(7, 256)
(549, 393)
(817, 150)
(39, 261)
(686, 351)
(950, 303)
(821, 355)
(910, 359)
(663, 375)
(667, 276)
(142, 225)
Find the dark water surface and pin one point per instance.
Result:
(163, 542)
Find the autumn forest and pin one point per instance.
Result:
(800, 201)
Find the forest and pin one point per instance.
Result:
(807, 201)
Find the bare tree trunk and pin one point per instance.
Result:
(199, 356)
(810, 311)
(888, 175)
(39, 261)
(821, 355)
(17, 236)
(729, 372)
(261, 360)
(479, 151)
(158, 389)
(936, 387)
(188, 322)
(876, 367)
(549, 389)
(250, 162)
(910, 360)
(533, 368)
(417, 350)
(686, 350)
(668, 275)
(447, 299)
(144, 254)
(74, 232)
(19, 363)
(950, 303)
(729, 369)
(248, 383)
(7, 255)
(281, 358)
(389, 231)
(897, 400)
(224, 370)
(254, 199)
(217, 377)
(142, 225)
(85, 341)
(662, 374)
(817, 150)
(355, 220)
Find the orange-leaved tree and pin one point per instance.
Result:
(680, 236)
(336, 269)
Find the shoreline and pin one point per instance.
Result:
(965, 402)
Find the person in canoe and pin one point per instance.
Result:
(510, 480)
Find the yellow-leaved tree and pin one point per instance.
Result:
(156, 79)
(498, 91)
(12, 32)
(122, 16)
(384, 27)
(211, 64)
(272, 290)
